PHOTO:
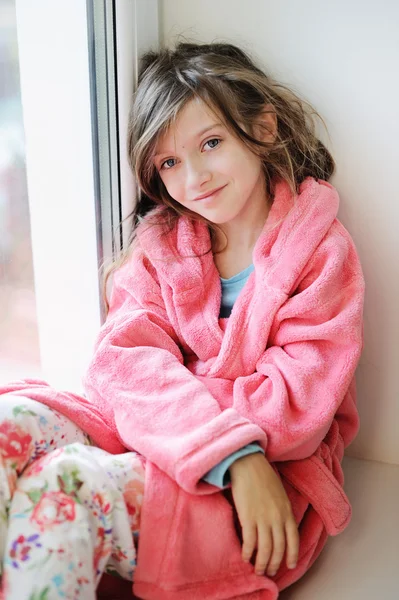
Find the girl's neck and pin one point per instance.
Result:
(241, 234)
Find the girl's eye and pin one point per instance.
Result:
(211, 142)
(166, 164)
(170, 162)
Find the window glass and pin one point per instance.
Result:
(19, 344)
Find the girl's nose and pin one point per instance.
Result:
(197, 173)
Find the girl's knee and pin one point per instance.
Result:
(13, 404)
(17, 431)
(30, 429)
(23, 411)
(66, 469)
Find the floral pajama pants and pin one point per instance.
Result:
(69, 511)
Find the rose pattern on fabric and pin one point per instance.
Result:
(15, 444)
(53, 509)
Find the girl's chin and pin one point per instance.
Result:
(219, 217)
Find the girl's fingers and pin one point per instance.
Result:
(265, 548)
(278, 549)
(291, 529)
(249, 541)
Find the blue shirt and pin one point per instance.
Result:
(231, 288)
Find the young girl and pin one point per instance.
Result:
(225, 367)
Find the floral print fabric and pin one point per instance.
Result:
(69, 511)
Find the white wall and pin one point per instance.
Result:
(343, 57)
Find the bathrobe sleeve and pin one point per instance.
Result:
(303, 378)
(161, 410)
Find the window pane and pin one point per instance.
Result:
(19, 344)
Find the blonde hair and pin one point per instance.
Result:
(228, 81)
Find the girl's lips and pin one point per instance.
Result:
(211, 195)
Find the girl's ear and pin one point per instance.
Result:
(265, 128)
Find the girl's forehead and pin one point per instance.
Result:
(193, 120)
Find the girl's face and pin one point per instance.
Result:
(207, 169)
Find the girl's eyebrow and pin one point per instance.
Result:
(199, 134)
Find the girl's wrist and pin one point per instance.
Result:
(243, 462)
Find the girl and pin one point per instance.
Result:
(225, 366)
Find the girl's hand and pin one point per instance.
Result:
(265, 514)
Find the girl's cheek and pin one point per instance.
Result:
(167, 183)
(177, 185)
(174, 189)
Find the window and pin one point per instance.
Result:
(19, 340)
(75, 103)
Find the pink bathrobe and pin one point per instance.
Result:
(184, 388)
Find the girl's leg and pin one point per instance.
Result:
(74, 515)
(28, 430)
